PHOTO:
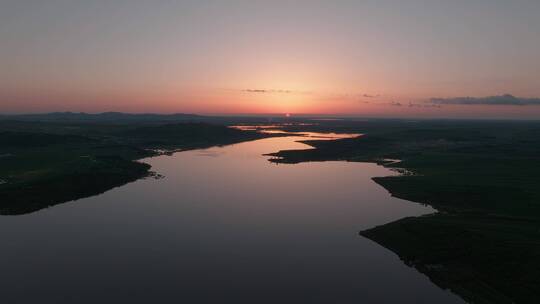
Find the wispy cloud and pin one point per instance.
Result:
(424, 105)
(506, 99)
(370, 96)
(269, 91)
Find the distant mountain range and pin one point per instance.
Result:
(104, 117)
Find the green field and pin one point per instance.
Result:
(482, 177)
(47, 163)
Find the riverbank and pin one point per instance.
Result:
(484, 245)
(52, 163)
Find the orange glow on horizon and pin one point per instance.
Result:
(215, 101)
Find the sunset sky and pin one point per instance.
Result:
(364, 58)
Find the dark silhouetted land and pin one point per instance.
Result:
(482, 176)
(55, 158)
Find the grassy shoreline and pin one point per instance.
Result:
(484, 244)
(46, 164)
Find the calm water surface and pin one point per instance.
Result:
(223, 226)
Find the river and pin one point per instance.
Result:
(224, 225)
